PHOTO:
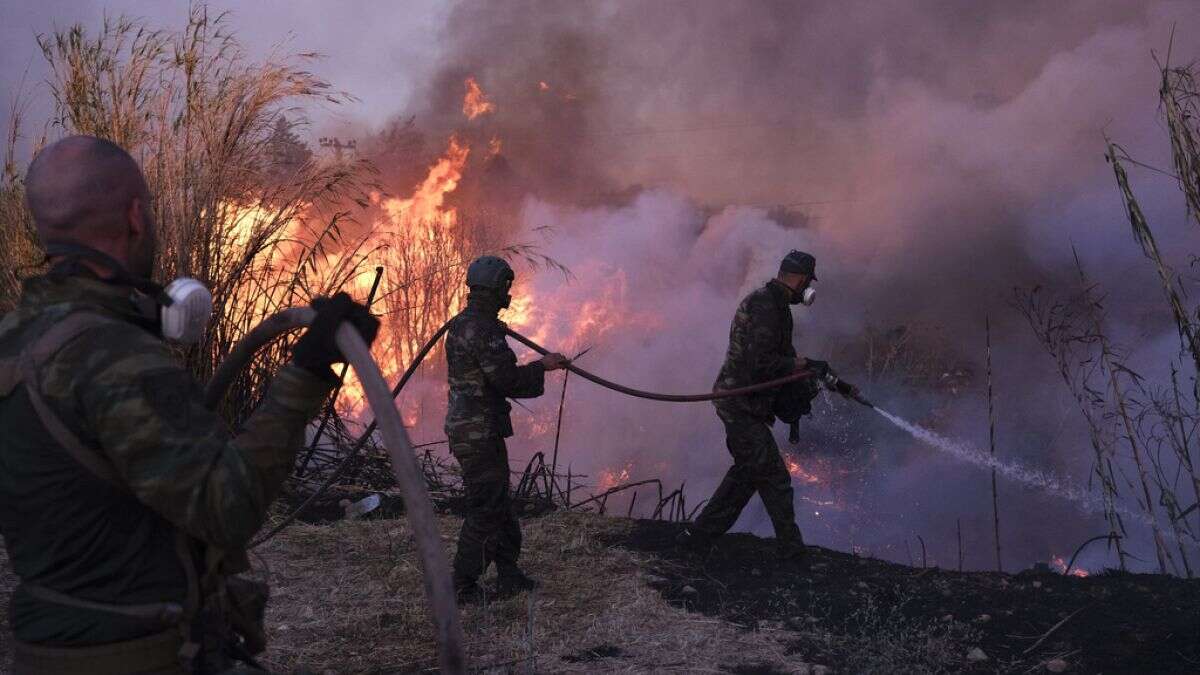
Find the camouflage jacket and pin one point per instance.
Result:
(119, 389)
(483, 372)
(760, 349)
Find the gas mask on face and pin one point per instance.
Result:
(806, 296)
(506, 298)
(181, 310)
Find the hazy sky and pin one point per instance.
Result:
(375, 50)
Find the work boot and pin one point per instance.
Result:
(468, 592)
(514, 583)
(790, 549)
(693, 537)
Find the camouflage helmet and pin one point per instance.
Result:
(490, 272)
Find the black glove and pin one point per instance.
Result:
(818, 368)
(316, 350)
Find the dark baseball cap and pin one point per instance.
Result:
(799, 262)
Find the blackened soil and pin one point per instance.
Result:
(1111, 622)
(596, 653)
(328, 509)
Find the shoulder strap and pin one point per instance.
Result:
(31, 361)
(10, 374)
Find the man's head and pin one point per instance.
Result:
(88, 191)
(489, 275)
(797, 271)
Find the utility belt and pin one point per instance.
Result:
(222, 618)
(156, 654)
(228, 627)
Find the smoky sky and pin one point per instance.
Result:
(942, 154)
(946, 151)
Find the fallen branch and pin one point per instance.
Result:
(1056, 627)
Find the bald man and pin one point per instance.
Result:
(119, 490)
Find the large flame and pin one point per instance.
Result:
(424, 208)
(475, 103)
(416, 240)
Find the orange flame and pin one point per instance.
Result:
(475, 103)
(425, 206)
(798, 472)
(418, 220)
(611, 478)
(1058, 563)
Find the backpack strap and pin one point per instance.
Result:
(32, 360)
(24, 369)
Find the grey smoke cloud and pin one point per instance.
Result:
(958, 150)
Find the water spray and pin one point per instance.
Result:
(1045, 481)
(1084, 499)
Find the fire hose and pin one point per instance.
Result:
(438, 584)
(439, 588)
(287, 320)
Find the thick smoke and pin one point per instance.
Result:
(932, 157)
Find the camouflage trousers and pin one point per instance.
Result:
(490, 530)
(757, 467)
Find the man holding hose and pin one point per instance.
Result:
(760, 350)
(482, 371)
(125, 504)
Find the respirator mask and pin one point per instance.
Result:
(506, 297)
(181, 310)
(799, 262)
(807, 296)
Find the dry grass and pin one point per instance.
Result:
(202, 119)
(348, 598)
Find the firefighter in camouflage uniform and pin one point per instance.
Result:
(483, 373)
(124, 501)
(760, 349)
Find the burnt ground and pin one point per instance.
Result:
(867, 615)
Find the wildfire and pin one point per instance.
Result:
(1058, 563)
(610, 478)
(475, 103)
(798, 472)
(425, 206)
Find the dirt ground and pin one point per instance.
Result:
(620, 596)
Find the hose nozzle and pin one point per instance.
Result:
(834, 383)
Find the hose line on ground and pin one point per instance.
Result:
(439, 587)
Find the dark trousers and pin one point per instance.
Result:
(490, 530)
(757, 467)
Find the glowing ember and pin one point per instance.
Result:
(543, 86)
(475, 103)
(610, 478)
(1058, 563)
(494, 146)
(798, 472)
